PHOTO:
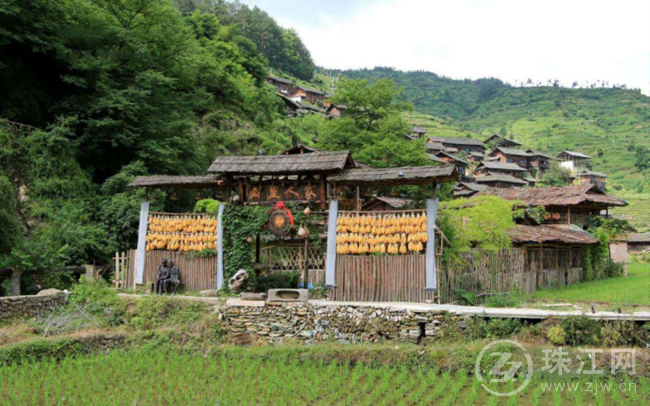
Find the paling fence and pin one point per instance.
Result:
(387, 278)
(197, 273)
(524, 269)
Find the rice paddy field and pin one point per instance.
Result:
(633, 290)
(139, 377)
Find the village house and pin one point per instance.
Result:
(459, 163)
(418, 133)
(638, 243)
(433, 147)
(335, 110)
(511, 155)
(539, 160)
(568, 205)
(311, 95)
(475, 157)
(457, 144)
(468, 189)
(506, 168)
(501, 181)
(385, 203)
(499, 141)
(593, 178)
(284, 86)
(574, 161)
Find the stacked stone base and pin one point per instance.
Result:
(17, 307)
(339, 323)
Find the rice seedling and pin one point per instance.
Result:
(143, 377)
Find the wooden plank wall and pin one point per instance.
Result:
(386, 278)
(196, 273)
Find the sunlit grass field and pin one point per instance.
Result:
(635, 289)
(168, 377)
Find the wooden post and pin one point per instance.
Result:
(357, 199)
(116, 277)
(568, 213)
(305, 266)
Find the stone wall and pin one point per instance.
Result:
(343, 323)
(16, 307)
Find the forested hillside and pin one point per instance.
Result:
(611, 125)
(95, 92)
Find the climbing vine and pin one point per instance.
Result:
(241, 222)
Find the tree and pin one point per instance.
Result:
(555, 176)
(367, 103)
(642, 157)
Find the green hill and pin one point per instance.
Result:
(611, 125)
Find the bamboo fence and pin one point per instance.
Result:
(385, 278)
(524, 269)
(197, 273)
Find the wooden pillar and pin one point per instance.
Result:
(305, 265)
(357, 199)
(568, 213)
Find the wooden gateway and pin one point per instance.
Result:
(394, 261)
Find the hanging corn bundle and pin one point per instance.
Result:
(394, 234)
(184, 233)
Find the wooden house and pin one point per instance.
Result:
(311, 95)
(511, 155)
(638, 243)
(282, 85)
(385, 203)
(418, 132)
(564, 205)
(492, 167)
(457, 144)
(539, 160)
(449, 158)
(475, 157)
(499, 141)
(593, 178)
(574, 161)
(300, 149)
(335, 110)
(501, 181)
(433, 147)
(468, 189)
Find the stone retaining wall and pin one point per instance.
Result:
(16, 307)
(344, 323)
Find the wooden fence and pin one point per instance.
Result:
(386, 278)
(196, 273)
(524, 269)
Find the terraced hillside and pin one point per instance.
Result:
(611, 125)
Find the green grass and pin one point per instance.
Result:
(635, 289)
(245, 377)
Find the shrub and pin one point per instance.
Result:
(612, 269)
(94, 296)
(556, 335)
(512, 299)
(277, 280)
(581, 331)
